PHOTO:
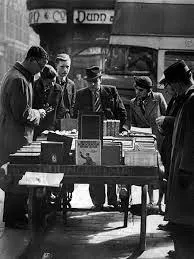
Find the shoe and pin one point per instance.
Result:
(171, 254)
(167, 227)
(97, 208)
(114, 207)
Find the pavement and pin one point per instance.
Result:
(88, 235)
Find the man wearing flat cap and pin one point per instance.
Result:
(180, 189)
(144, 109)
(100, 98)
(63, 65)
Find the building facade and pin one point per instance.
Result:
(80, 28)
(15, 34)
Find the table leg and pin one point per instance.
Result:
(143, 218)
(126, 205)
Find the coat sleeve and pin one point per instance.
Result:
(187, 138)
(20, 104)
(73, 99)
(132, 120)
(76, 106)
(163, 104)
(60, 112)
(120, 110)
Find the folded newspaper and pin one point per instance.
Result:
(41, 179)
(147, 131)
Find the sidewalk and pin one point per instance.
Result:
(89, 235)
(100, 235)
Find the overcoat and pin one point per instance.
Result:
(180, 190)
(167, 130)
(155, 106)
(52, 98)
(17, 118)
(112, 105)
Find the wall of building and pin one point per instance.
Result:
(15, 34)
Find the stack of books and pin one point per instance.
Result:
(111, 128)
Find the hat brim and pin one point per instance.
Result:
(163, 81)
(93, 78)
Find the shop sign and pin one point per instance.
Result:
(38, 16)
(88, 16)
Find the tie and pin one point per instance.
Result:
(142, 106)
(96, 101)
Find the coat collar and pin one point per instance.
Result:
(149, 103)
(24, 71)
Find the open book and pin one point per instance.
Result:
(41, 179)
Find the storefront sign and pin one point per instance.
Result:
(38, 16)
(93, 16)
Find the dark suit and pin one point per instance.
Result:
(113, 108)
(69, 93)
(112, 105)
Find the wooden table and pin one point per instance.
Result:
(121, 174)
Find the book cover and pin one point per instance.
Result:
(111, 153)
(88, 152)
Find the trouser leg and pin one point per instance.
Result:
(97, 194)
(111, 194)
(15, 207)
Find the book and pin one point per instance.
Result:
(90, 125)
(141, 158)
(88, 152)
(41, 179)
(111, 153)
(68, 124)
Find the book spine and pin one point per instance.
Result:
(105, 128)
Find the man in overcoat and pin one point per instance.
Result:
(18, 119)
(180, 189)
(100, 98)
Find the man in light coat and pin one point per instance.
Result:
(17, 118)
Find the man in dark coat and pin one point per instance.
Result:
(180, 189)
(100, 98)
(63, 65)
(48, 95)
(18, 119)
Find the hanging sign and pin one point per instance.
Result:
(92, 16)
(38, 16)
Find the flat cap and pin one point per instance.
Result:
(143, 81)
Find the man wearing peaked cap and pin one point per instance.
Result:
(180, 186)
(100, 98)
(143, 82)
